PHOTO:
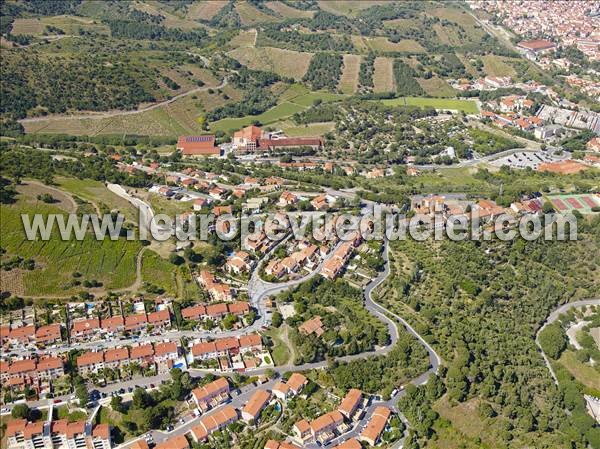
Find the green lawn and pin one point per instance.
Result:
(309, 98)
(274, 114)
(585, 374)
(467, 106)
(280, 351)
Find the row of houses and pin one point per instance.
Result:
(85, 328)
(21, 434)
(226, 346)
(161, 354)
(325, 427)
(24, 335)
(334, 265)
(214, 311)
(306, 257)
(36, 373)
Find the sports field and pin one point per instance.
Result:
(582, 203)
(467, 106)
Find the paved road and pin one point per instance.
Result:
(552, 318)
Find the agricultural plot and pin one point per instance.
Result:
(385, 45)
(281, 111)
(287, 11)
(158, 272)
(568, 203)
(312, 129)
(245, 39)
(308, 99)
(287, 63)
(206, 9)
(347, 7)
(349, 80)
(383, 75)
(436, 87)
(174, 119)
(110, 262)
(68, 24)
(250, 15)
(360, 43)
(496, 66)
(467, 106)
(169, 20)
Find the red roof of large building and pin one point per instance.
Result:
(537, 45)
(197, 145)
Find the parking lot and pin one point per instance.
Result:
(524, 159)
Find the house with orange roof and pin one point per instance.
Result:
(351, 403)
(195, 313)
(142, 354)
(205, 351)
(323, 427)
(23, 334)
(211, 394)
(255, 405)
(238, 263)
(113, 324)
(164, 355)
(48, 334)
(177, 442)
(84, 327)
(90, 362)
(374, 428)
(116, 357)
(136, 323)
(214, 422)
(250, 343)
(272, 444)
(302, 430)
(160, 319)
(287, 199)
(50, 368)
(22, 369)
(351, 443)
(312, 326)
(297, 382)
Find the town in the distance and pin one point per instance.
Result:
(479, 112)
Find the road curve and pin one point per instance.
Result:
(103, 115)
(552, 318)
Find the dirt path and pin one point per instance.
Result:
(65, 198)
(119, 113)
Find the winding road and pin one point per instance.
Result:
(552, 318)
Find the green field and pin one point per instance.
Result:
(280, 112)
(585, 374)
(109, 262)
(159, 272)
(467, 106)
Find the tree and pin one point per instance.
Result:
(553, 340)
(116, 404)
(82, 395)
(20, 411)
(277, 319)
